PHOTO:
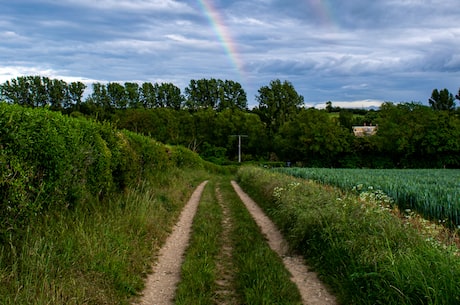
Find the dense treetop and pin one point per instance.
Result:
(210, 112)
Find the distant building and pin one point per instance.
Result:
(364, 131)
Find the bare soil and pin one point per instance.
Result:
(161, 284)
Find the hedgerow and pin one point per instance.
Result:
(50, 162)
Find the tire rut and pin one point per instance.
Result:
(310, 287)
(161, 284)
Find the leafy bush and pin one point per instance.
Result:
(50, 162)
(184, 158)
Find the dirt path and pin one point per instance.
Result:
(311, 289)
(161, 284)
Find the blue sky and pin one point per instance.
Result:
(353, 53)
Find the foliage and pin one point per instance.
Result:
(412, 135)
(36, 91)
(312, 137)
(442, 100)
(215, 94)
(409, 135)
(278, 103)
(365, 253)
(50, 162)
(84, 206)
(98, 253)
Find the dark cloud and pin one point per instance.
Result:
(389, 50)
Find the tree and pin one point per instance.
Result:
(346, 119)
(76, 90)
(147, 95)
(278, 103)
(17, 91)
(201, 94)
(312, 137)
(231, 96)
(132, 95)
(329, 106)
(117, 96)
(169, 95)
(442, 100)
(215, 94)
(37, 91)
(58, 93)
(99, 100)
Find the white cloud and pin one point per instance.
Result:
(367, 103)
(131, 5)
(11, 72)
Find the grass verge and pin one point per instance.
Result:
(366, 254)
(98, 254)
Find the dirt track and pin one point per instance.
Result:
(161, 284)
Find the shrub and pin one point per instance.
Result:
(49, 161)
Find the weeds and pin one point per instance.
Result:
(368, 257)
(98, 254)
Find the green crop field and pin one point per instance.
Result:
(434, 193)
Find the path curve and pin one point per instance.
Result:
(310, 287)
(160, 286)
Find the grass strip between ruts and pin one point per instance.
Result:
(260, 276)
(198, 271)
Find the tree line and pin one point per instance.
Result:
(210, 114)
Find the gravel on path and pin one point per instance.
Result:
(161, 284)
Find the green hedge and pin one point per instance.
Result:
(366, 254)
(49, 161)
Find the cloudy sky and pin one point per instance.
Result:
(357, 51)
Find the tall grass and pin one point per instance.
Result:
(95, 255)
(83, 207)
(366, 255)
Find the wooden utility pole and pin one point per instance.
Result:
(239, 144)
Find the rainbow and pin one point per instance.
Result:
(223, 34)
(323, 11)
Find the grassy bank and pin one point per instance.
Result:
(366, 254)
(84, 207)
(96, 255)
